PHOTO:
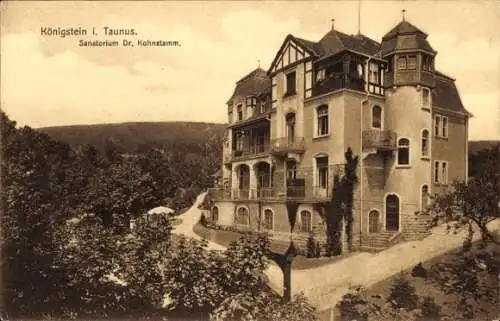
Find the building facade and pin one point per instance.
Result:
(289, 128)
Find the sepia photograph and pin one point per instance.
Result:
(250, 160)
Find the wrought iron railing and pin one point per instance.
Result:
(379, 139)
(271, 193)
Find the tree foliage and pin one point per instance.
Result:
(68, 250)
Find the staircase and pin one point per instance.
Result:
(376, 242)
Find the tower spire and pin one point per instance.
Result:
(258, 63)
(333, 24)
(404, 14)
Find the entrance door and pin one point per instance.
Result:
(392, 213)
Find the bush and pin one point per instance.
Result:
(403, 294)
(430, 309)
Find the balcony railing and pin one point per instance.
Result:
(249, 151)
(272, 193)
(287, 144)
(336, 82)
(379, 139)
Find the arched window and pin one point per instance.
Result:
(268, 220)
(424, 197)
(215, 214)
(322, 112)
(403, 151)
(306, 221)
(242, 216)
(376, 117)
(392, 212)
(373, 221)
(425, 143)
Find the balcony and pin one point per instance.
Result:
(249, 152)
(284, 145)
(318, 194)
(338, 81)
(380, 140)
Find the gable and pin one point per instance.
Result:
(290, 52)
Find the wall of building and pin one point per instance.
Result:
(288, 104)
(404, 115)
(452, 149)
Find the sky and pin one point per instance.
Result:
(49, 80)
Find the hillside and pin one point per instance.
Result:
(133, 137)
(477, 145)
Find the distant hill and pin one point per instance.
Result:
(134, 137)
(477, 145)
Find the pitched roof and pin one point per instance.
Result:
(445, 94)
(404, 36)
(255, 83)
(335, 41)
(403, 28)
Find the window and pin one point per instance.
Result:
(305, 219)
(441, 126)
(403, 151)
(240, 112)
(388, 67)
(426, 100)
(263, 107)
(402, 62)
(436, 172)
(377, 117)
(290, 84)
(411, 62)
(373, 75)
(242, 216)
(444, 127)
(322, 112)
(425, 143)
(444, 173)
(268, 220)
(320, 75)
(322, 170)
(424, 197)
(373, 221)
(437, 125)
(427, 63)
(215, 214)
(441, 172)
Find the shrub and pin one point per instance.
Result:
(430, 309)
(403, 294)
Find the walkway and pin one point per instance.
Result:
(325, 285)
(192, 216)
